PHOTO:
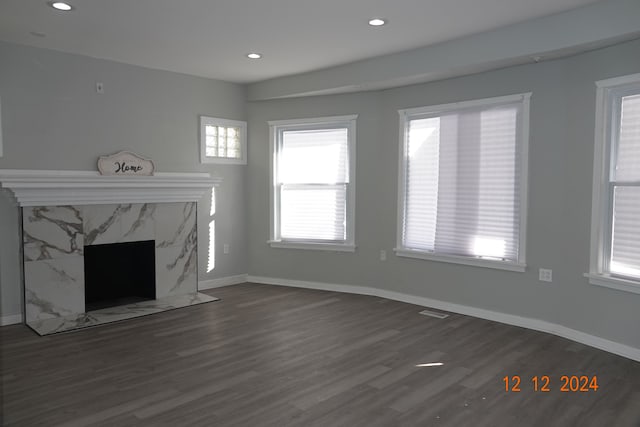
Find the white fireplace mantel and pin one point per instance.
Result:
(61, 188)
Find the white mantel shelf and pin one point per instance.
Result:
(61, 188)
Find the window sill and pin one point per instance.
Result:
(337, 247)
(613, 282)
(476, 262)
(223, 161)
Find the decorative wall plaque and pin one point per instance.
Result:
(125, 163)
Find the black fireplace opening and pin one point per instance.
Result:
(119, 273)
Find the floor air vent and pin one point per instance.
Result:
(435, 314)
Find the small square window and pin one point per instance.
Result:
(223, 141)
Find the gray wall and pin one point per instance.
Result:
(560, 161)
(53, 119)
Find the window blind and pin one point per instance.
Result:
(462, 183)
(625, 245)
(313, 177)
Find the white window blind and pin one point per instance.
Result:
(625, 184)
(462, 180)
(313, 182)
(313, 178)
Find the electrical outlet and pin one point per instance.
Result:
(99, 88)
(545, 275)
(225, 248)
(383, 255)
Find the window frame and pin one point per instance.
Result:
(609, 95)
(1, 152)
(214, 121)
(276, 127)
(406, 115)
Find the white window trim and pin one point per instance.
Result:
(337, 247)
(213, 121)
(349, 245)
(612, 282)
(463, 260)
(600, 215)
(408, 114)
(0, 128)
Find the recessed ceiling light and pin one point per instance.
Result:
(254, 55)
(376, 22)
(65, 7)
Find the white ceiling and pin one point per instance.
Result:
(210, 38)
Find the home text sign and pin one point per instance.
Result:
(125, 163)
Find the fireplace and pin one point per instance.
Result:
(70, 217)
(92, 264)
(118, 274)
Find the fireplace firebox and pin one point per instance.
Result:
(119, 273)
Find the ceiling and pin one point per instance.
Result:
(210, 38)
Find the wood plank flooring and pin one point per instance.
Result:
(277, 356)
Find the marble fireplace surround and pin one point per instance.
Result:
(64, 211)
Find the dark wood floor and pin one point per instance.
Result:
(275, 356)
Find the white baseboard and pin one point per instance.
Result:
(10, 320)
(510, 319)
(223, 281)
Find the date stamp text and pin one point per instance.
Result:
(546, 383)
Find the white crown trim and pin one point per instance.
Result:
(59, 188)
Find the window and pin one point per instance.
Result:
(463, 182)
(615, 227)
(313, 186)
(223, 141)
